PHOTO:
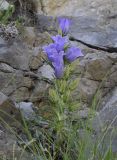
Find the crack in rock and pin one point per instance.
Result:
(103, 48)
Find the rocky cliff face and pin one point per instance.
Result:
(77, 8)
(93, 29)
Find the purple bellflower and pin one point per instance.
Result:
(56, 51)
(51, 52)
(64, 25)
(59, 65)
(56, 58)
(60, 42)
(73, 53)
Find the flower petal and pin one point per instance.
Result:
(64, 25)
(51, 52)
(58, 65)
(73, 53)
(60, 42)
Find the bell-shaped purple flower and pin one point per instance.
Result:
(58, 65)
(60, 42)
(73, 53)
(51, 52)
(64, 25)
(56, 58)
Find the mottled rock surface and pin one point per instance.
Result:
(8, 112)
(27, 109)
(3, 5)
(15, 54)
(81, 7)
(106, 120)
